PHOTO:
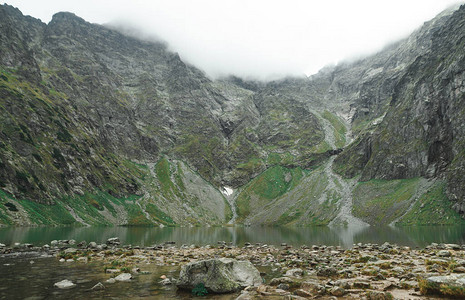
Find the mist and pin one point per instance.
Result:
(256, 39)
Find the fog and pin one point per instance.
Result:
(256, 39)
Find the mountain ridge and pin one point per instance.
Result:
(91, 117)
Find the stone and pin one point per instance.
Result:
(92, 245)
(327, 272)
(279, 280)
(337, 291)
(283, 286)
(165, 281)
(112, 271)
(303, 293)
(111, 280)
(113, 241)
(313, 287)
(70, 250)
(123, 277)
(64, 284)
(378, 295)
(361, 285)
(223, 275)
(98, 286)
(444, 253)
(295, 273)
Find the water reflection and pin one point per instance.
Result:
(146, 236)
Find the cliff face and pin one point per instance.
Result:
(103, 128)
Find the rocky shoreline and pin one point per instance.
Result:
(365, 271)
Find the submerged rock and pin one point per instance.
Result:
(123, 277)
(224, 275)
(64, 284)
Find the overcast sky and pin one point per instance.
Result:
(263, 38)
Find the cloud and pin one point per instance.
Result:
(260, 39)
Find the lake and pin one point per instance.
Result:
(418, 236)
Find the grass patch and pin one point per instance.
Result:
(381, 201)
(432, 208)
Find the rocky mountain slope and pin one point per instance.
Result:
(97, 127)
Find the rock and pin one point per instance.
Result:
(111, 280)
(123, 277)
(279, 280)
(327, 272)
(82, 259)
(283, 286)
(70, 250)
(54, 243)
(92, 245)
(450, 285)
(361, 285)
(2, 245)
(444, 253)
(295, 273)
(337, 291)
(98, 286)
(113, 241)
(377, 295)
(303, 293)
(64, 284)
(82, 244)
(221, 275)
(112, 271)
(62, 260)
(165, 281)
(313, 287)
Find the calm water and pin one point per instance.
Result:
(32, 277)
(145, 236)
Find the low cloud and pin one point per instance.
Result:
(258, 39)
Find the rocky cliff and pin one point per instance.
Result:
(98, 127)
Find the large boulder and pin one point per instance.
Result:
(450, 285)
(223, 275)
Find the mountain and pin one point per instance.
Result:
(99, 127)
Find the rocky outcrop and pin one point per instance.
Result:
(223, 275)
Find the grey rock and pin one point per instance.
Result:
(444, 253)
(222, 275)
(294, 273)
(64, 284)
(98, 286)
(123, 277)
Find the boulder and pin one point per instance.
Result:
(223, 275)
(450, 285)
(64, 284)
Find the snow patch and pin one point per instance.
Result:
(227, 191)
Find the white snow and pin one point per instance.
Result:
(227, 191)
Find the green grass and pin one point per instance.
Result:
(432, 208)
(381, 201)
(269, 185)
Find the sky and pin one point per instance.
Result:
(259, 39)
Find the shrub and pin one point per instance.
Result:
(199, 290)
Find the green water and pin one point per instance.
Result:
(146, 236)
